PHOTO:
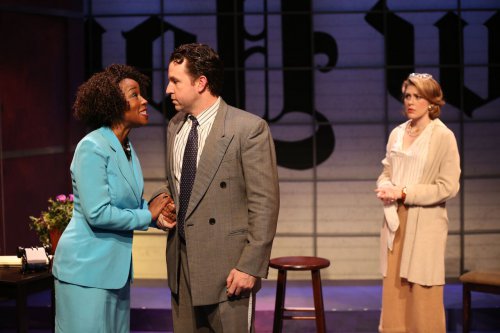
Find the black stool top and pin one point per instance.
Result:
(299, 263)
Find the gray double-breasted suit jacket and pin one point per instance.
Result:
(233, 210)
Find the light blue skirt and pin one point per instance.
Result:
(83, 309)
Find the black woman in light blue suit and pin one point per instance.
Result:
(93, 260)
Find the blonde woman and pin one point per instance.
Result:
(421, 171)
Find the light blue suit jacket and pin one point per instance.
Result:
(95, 250)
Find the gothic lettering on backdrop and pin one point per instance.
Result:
(299, 46)
(298, 76)
(231, 47)
(93, 47)
(451, 44)
(139, 49)
(493, 26)
(298, 82)
(297, 59)
(399, 47)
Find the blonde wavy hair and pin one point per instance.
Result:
(429, 89)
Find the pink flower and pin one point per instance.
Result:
(61, 198)
(71, 197)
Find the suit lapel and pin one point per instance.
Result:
(121, 161)
(213, 152)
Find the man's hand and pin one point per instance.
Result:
(239, 282)
(167, 218)
(165, 223)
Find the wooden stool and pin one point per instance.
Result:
(313, 264)
(486, 282)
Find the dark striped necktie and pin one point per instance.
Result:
(188, 174)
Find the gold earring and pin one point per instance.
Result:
(430, 107)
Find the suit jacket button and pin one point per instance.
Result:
(223, 184)
(211, 221)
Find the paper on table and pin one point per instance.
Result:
(36, 255)
(9, 261)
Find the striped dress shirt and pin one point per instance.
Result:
(205, 121)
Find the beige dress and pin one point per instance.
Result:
(412, 299)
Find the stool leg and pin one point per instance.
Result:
(466, 310)
(318, 301)
(280, 301)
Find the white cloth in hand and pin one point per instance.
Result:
(391, 216)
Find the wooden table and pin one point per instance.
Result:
(14, 284)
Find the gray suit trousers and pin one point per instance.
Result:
(232, 316)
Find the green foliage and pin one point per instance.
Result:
(56, 217)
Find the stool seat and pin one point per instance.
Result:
(481, 281)
(481, 277)
(299, 263)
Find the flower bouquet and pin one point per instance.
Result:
(51, 223)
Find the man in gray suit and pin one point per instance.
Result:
(227, 199)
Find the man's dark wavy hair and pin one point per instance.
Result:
(201, 60)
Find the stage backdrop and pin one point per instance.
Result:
(327, 77)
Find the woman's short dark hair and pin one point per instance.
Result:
(100, 101)
(201, 60)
